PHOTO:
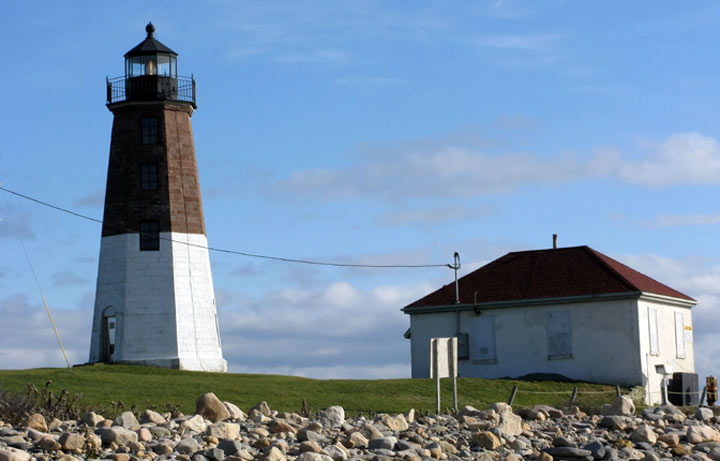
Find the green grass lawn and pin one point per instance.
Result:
(103, 384)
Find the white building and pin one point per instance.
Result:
(568, 311)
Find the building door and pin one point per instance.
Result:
(109, 327)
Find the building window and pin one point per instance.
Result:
(148, 176)
(653, 331)
(149, 236)
(483, 340)
(149, 130)
(559, 334)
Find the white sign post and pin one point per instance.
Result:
(443, 364)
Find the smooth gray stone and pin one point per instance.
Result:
(386, 443)
(567, 452)
(230, 447)
(214, 454)
(644, 446)
(563, 442)
(159, 432)
(407, 445)
(596, 448)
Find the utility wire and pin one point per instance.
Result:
(222, 250)
(37, 282)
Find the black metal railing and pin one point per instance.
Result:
(150, 88)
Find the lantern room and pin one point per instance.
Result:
(151, 58)
(151, 74)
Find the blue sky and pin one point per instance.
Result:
(369, 132)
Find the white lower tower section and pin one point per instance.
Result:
(156, 308)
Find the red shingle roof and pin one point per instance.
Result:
(552, 273)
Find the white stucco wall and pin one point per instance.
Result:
(604, 342)
(666, 339)
(164, 300)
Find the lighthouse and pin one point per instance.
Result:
(155, 302)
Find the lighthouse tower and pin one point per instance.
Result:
(155, 303)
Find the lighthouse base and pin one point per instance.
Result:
(213, 365)
(156, 308)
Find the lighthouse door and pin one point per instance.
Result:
(108, 335)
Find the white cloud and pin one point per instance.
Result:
(437, 172)
(443, 168)
(674, 220)
(14, 223)
(535, 42)
(320, 56)
(27, 339)
(435, 215)
(685, 158)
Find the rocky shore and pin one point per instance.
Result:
(220, 431)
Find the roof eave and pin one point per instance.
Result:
(538, 302)
(669, 300)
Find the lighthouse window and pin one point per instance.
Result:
(148, 176)
(149, 130)
(149, 236)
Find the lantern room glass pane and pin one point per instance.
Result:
(165, 66)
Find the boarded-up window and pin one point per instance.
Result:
(559, 336)
(653, 329)
(483, 339)
(679, 335)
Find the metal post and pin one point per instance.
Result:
(453, 372)
(512, 395)
(665, 391)
(456, 266)
(437, 377)
(617, 390)
(574, 396)
(702, 396)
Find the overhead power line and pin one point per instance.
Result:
(223, 250)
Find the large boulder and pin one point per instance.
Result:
(150, 416)
(235, 412)
(644, 433)
(118, 435)
(510, 423)
(332, 417)
(127, 420)
(263, 408)
(486, 440)
(622, 406)
(210, 407)
(701, 434)
(36, 421)
(195, 424)
(71, 441)
(188, 446)
(223, 430)
(13, 454)
(395, 423)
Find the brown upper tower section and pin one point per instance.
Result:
(152, 178)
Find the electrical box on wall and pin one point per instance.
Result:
(463, 346)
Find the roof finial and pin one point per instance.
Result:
(150, 29)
